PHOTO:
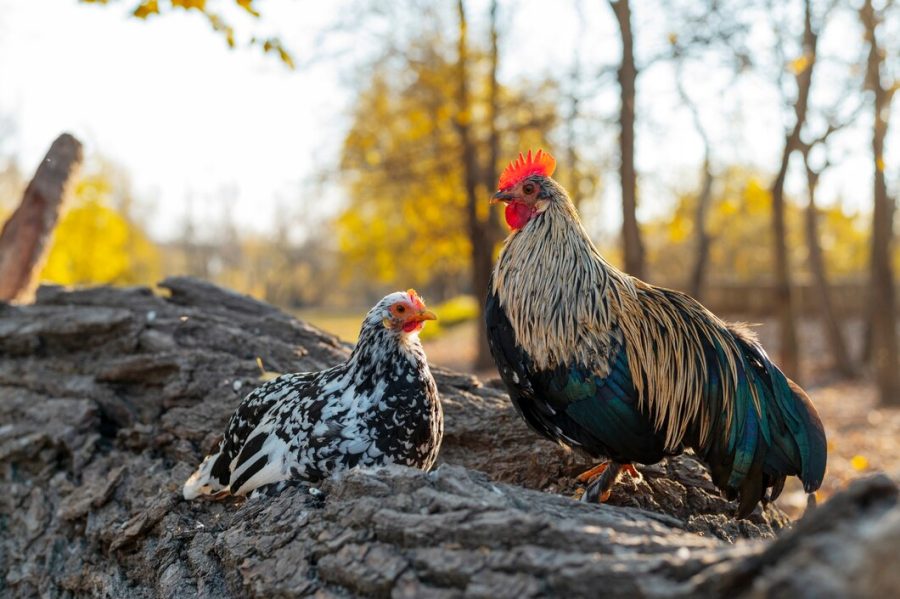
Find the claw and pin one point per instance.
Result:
(218, 496)
(630, 469)
(600, 487)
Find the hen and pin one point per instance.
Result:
(379, 407)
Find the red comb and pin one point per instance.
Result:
(415, 298)
(541, 163)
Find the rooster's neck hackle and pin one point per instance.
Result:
(559, 324)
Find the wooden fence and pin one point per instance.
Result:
(850, 298)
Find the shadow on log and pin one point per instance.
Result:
(109, 398)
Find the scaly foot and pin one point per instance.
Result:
(600, 487)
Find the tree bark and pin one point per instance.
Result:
(627, 74)
(25, 237)
(110, 397)
(840, 355)
(883, 312)
(783, 293)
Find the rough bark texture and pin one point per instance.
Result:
(24, 238)
(108, 399)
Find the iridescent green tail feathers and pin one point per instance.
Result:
(774, 432)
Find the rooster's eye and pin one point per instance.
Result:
(529, 188)
(400, 309)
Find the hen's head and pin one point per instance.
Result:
(527, 189)
(403, 312)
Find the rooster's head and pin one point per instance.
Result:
(526, 188)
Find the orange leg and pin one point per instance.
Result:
(600, 468)
(589, 474)
(600, 487)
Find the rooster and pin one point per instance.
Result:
(598, 360)
(379, 407)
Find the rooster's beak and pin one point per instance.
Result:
(502, 196)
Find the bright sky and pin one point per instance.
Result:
(187, 117)
(171, 103)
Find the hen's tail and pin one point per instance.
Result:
(202, 482)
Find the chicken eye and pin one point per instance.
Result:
(400, 309)
(528, 188)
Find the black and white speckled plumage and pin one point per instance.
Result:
(379, 407)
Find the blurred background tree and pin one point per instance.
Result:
(97, 240)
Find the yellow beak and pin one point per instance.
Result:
(426, 315)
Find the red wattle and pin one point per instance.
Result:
(413, 325)
(518, 215)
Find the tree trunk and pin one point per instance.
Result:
(484, 232)
(573, 185)
(883, 311)
(627, 75)
(493, 112)
(840, 355)
(784, 298)
(25, 237)
(492, 230)
(790, 361)
(479, 234)
(697, 280)
(698, 271)
(110, 397)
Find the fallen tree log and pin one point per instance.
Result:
(109, 398)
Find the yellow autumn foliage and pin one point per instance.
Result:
(95, 244)
(859, 462)
(740, 226)
(218, 15)
(406, 223)
(799, 64)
